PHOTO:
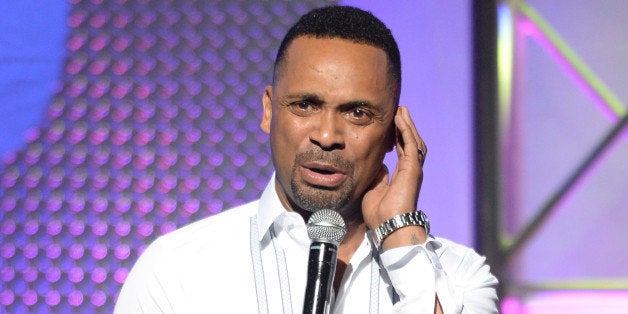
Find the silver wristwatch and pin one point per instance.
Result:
(416, 218)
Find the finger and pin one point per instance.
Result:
(421, 146)
(409, 165)
(415, 132)
(409, 141)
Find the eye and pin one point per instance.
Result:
(358, 113)
(359, 116)
(303, 107)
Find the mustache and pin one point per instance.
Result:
(331, 158)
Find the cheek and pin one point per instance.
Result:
(291, 132)
(368, 161)
(368, 155)
(368, 144)
(287, 134)
(286, 138)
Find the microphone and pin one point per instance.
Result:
(326, 229)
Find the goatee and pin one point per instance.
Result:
(314, 198)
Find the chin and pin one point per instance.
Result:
(313, 199)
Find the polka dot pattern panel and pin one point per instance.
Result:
(154, 124)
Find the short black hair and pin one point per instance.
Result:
(348, 23)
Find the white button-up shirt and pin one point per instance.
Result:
(253, 258)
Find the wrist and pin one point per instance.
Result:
(405, 229)
(406, 236)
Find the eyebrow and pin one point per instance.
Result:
(347, 105)
(358, 104)
(306, 96)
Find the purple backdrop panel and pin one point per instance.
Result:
(155, 124)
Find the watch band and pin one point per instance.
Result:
(416, 218)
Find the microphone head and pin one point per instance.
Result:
(326, 225)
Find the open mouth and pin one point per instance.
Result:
(322, 175)
(322, 171)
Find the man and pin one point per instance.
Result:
(332, 114)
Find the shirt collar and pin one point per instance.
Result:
(270, 208)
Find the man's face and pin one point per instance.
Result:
(330, 116)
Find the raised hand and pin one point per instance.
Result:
(387, 199)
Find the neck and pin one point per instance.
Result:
(356, 228)
(350, 244)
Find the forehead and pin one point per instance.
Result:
(335, 64)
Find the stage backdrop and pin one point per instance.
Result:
(153, 122)
(122, 120)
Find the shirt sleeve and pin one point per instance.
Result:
(143, 290)
(457, 275)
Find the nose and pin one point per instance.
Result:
(328, 132)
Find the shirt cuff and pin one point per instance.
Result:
(412, 276)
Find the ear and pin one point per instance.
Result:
(267, 102)
(392, 138)
(393, 135)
